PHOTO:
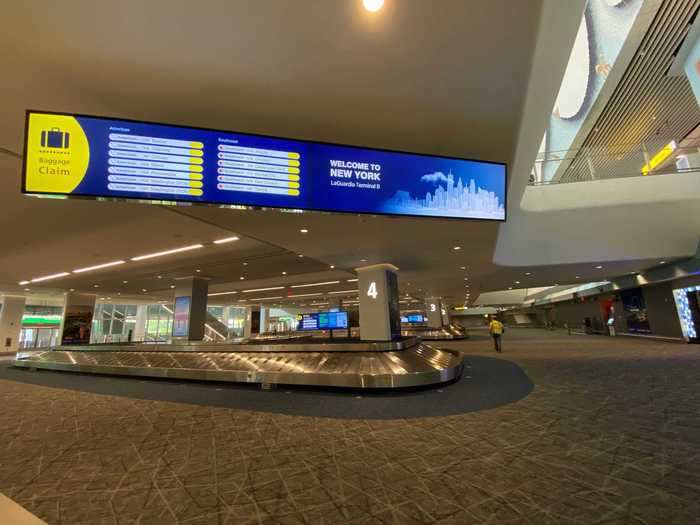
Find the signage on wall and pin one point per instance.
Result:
(90, 156)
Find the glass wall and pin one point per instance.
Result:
(40, 326)
(113, 323)
(159, 323)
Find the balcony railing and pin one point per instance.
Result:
(611, 162)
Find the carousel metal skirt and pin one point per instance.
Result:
(352, 365)
(445, 333)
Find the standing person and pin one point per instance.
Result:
(496, 331)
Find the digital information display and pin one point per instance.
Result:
(181, 316)
(101, 157)
(322, 321)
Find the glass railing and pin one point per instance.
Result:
(661, 157)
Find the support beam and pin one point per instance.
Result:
(11, 322)
(380, 318)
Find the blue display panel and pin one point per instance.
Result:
(323, 321)
(181, 316)
(102, 157)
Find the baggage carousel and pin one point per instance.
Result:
(349, 363)
(444, 333)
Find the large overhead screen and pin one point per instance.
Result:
(103, 157)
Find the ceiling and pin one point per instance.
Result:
(648, 107)
(415, 77)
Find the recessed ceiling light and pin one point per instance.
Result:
(528, 273)
(352, 280)
(517, 282)
(95, 285)
(457, 248)
(48, 277)
(462, 267)
(72, 290)
(466, 278)
(227, 239)
(22, 283)
(125, 282)
(26, 289)
(172, 286)
(363, 260)
(373, 5)
(222, 293)
(284, 273)
(167, 252)
(510, 287)
(242, 278)
(599, 267)
(160, 277)
(332, 267)
(578, 277)
(264, 289)
(300, 255)
(143, 290)
(98, 266)
(314, 284)
(305, 294)
(304, 230)
(662, 262)
(245, 264)
(198, 270)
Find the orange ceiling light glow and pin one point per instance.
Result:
(373, 5)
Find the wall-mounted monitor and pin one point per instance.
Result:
(99, 157)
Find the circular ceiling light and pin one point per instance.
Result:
(373, 5)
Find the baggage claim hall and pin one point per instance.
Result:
(350, 261)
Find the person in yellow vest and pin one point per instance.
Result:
(496, 330)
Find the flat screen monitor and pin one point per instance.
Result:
(100, 157)
(323, 321)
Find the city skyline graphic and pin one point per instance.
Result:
(469, 200)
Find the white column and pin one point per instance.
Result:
(11, 322)
(248, 324)
(264, 318)
(334, 303)
(445, 313)
(190, 311)
(433, 308)
(140, 325)
(380, 318)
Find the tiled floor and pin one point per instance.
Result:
(610, 434)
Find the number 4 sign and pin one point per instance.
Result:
(372, 290)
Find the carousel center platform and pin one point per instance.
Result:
(349, 363)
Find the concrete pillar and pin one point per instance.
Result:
(380, 318)
(140, 325)
(190, 313)
(11, 322)
(433, 308)
(334, 303)
(76, 325)
(444, 313)
(264, 318)
(248, 324)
